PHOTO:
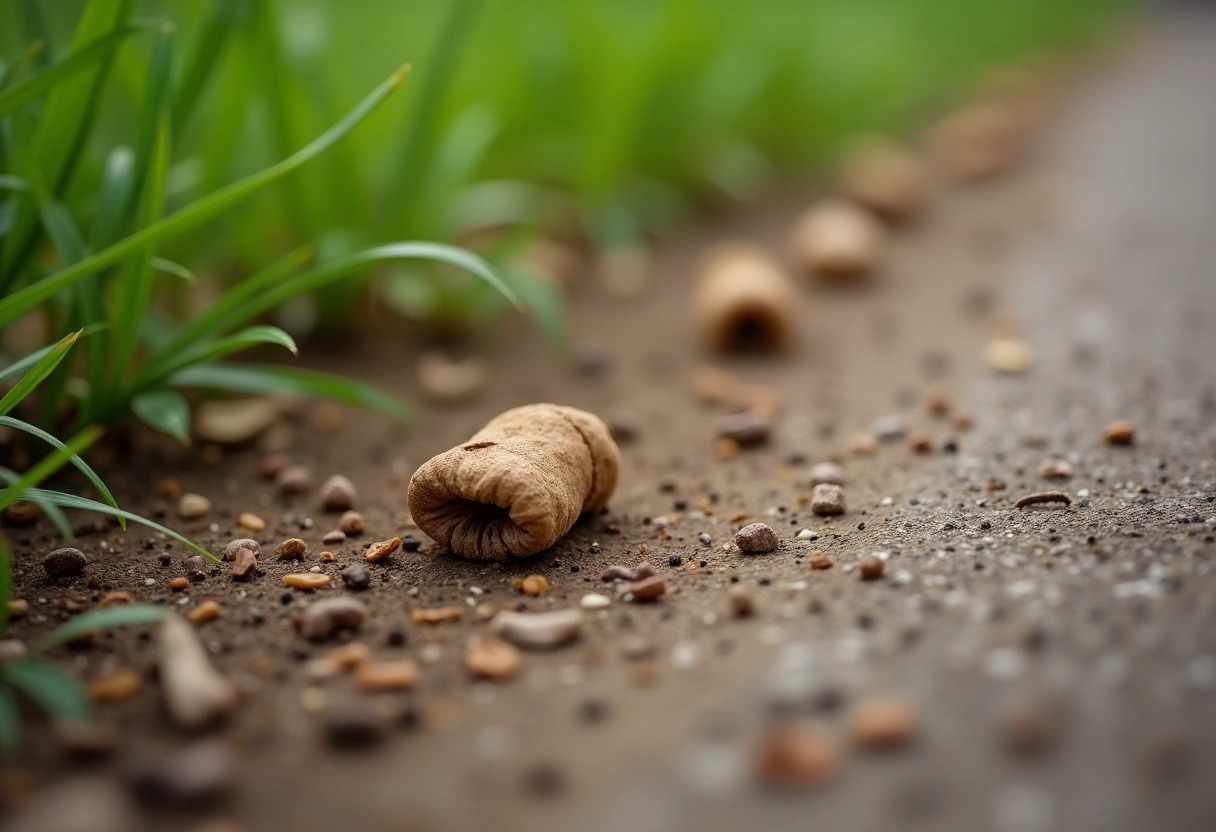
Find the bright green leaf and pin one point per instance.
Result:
(59, 694)
(166, 411)
(79, 463)
(40, 370)
(48, 465)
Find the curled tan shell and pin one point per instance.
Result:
(518, 485)
(744, 301)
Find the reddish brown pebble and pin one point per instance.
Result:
(937, 403)
(742, 605)
(883, 723)
(747, 429)
(22, 513)
(648, 589)
(243, 563)
(1043, 497)
(291, 549)
(819, 561)
(204, 612)
(827, 500)
(492, 659)
(1055, 469)
(351, 523)
(870, 567)
(796, 755)
(828, 472)
(294, 479)
(618, 573)
(756, 538)
(382, 549)
(921, 443)
(1121, 432)
(386, 677)
(438, 616)
(644, 570)
(178, 584)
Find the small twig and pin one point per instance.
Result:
(1043, 497)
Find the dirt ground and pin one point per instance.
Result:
(1098, 617)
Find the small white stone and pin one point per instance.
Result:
(685, 655)
(595, 601)
(805, 534)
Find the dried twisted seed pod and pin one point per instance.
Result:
(518, 484)
(744, 301)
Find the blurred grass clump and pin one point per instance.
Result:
(597, 122)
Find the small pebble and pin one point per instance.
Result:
(648, 589)
(828, 472)
(756, 538)
(356, 577)
(250, 521)
(196, 568)
(595, 601)
(921, 443)
(294, 479)
(1027, 729)
(234, 546)
(638, 648)
(438, 616)
(889, 428)
(820, 561)
(883, 723)
(796, 755)
(539, 631)
(243, 563)
(269, 466)
(1121, 432)
(204, 612)
(333, 537)
(382, 677)
(117, 686)
(747, 429)
(534, 585)
(618, 573)
(306, 580)
(351, 523)
(193, 506)
(64, 563)
(338, 493)
(178, 584)
(291, 549)
(1009, 355)
(492, 659)
(870, 567)
(410, 544)
(827, 500)
(382, 549)
(111, 599)
(329, 615)
(1055, 469)
(742, 605)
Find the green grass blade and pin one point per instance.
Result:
(291, 381)
(48, 465)
(135, 286)
(29, 89)
(52, 513)
(162, 264)
(204, 57)
(117, 185)
(166, 411)
(156, 372)
(55, 691)
(41, 369)
(10, 725)
(63, 500)
(13, 183)
(193, 215)
(98, 620)
(222, 315)
(80, 464)
(227, 314)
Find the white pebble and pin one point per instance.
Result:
(685, 656)
(806, 534)
(594, 601)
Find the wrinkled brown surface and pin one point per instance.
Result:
(518, 484)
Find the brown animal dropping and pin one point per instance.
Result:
(744, 301)
(518, 484)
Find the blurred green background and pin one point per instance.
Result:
(598, 121)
